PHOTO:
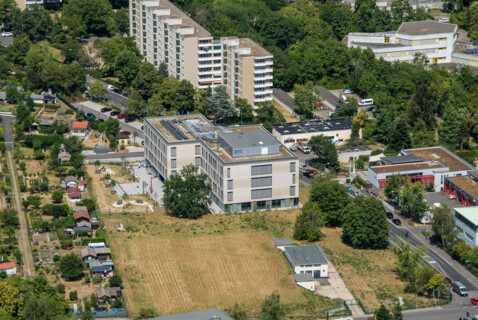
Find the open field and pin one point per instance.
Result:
(368, 273)
(177, 266)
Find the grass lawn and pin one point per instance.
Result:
(178, 266)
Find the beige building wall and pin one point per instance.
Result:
(191, 60)
(182, 156)
(247, 79)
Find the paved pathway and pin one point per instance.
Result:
(7, 130)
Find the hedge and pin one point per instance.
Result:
(52, 106)
(45, 140)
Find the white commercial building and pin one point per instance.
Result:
(247, 167)
(163, 33)
(466, 220)
(290, 133)
(307, 260)
(433, 39)
(425, 165)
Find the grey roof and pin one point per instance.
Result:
(83, 224)
(425, 27)
(282, 242)
(301, 255)
(36, 96)
(319, 126)
(103, 250)
(402, 159)
(88, 252)
(353, 149)
(303, 277)
(198, 315)
(64, 154)
(251, 138)
(3, 95)
(82, 228)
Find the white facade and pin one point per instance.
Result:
(307, 260)
(269, 181)
(10, 271)
(433, 39)
(305, 283)
(466, 220)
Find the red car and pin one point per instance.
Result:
(474, 301)
(313, 171)
(126, 133)
(448, 280)
(122, 116)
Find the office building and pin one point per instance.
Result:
(290, 133)
(426, 165)
(433, 39)
(163, 33)
(466, 221)
(246, 166)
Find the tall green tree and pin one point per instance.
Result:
(35, 23)
(127, 66)
(444, 226)
(326, 151)
(135, 104)
(272, 308)
(145, 80)
(306, 97)
(308, 223)
(97, 90)
(71, 267)
(413, 202)
(221, 105)
(454, 131)
(186, 194)
(331, 197)
(397, 312)
(382, 313)
(365, 224)
(79, 16)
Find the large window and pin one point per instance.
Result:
(292, 167)
(229, 196)
(292, 191)
(173, 151)
(261, 193)
(261, 182)
(229, 185)
(264, 169)
(173, 163)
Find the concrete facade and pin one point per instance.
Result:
(247, 183)
(307, 260)
(466, 220)
(163, 33)
(433, 39)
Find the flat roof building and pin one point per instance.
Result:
(466, 220)
(307, 260)
(290, 133)
(426, 165)
(433, 39)
(163, 33)
(246, 166)
(464, 188)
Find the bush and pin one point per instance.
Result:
(73, 295)
(56, 257)
(23, 188)
(116, 281)
(87, 279)
(60, 288)
(97, 279)
(57, 196)
(52, 106)
(376, 152)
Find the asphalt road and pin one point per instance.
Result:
(117, 155)
(450, 312)
(114, 98)
(8, 131)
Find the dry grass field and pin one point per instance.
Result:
(286, 114)
(180, 266)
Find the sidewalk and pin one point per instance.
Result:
(336, 289)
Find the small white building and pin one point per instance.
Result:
(433, 39)
(305, 281)
(466, 220)
(281, 243)
(307, 260)
(10, 268)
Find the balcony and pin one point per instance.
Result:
(263, 64)
(265, 70)
(263, 77)
(263, 85)
(263, 92)
(259, 100)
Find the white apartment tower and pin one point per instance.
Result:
(163, 33)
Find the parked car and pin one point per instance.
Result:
(122, 116)
(142, 127)
(142, 142)
(389, 215)
(303, 166)
(129, 119)
(139, 201)
(118, 91)
(105, 109)
(126, 94)
(293, 148)
(366, 102)
(448, 280)
(110, 87)
(91, 115)
(397, 222)
(101, 120)
(7, 34)
(347, 91)
(375, 194)
(313, 171)
(114, 113)
(370, 109)
(459, 288)
(126, 133)
(85, 36)
(307, 174)
(119, 202)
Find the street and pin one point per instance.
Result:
(117, 155)
(114, 98)
(450, 312)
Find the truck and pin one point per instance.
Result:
(459, 288)
(303, 147)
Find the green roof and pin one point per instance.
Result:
(469, 213)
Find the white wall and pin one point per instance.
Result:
(323, 270)
(309, 285)
(462, 229)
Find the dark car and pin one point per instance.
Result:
(370, 108)
(142, 142)
(129, 119)
(397, 222)
(105, 109)
(389, 215)
(91, 115)
(125, 133)
(116, 90)
(122, 116)
(308, 174)
(114, 113)
(375, 194)
(142, 127)
(126, 94)
(101, 120)
(85, 36)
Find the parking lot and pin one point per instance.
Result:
(440, 197)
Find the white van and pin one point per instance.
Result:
(444, 20)
(366, 102)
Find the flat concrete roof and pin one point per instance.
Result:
(256, 50)
(243, 139)
(313, 126)
(302, 255)
(198, 315)
(470, 213)
(408, 167)
(400, 159)
(425, 27)
(282, 242)
(448, 158)
(304, 277)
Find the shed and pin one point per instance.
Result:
(71, 182)
(37, 98)
(81, 215)
(84, 224)
(305, 281)
(87, 253)
(281, 243)
(49, 98)
(79, 129)
(122, 139)
(106, 293)
(100, 149)
(64, 156)
(3, 96)
(10, 268)
(307, 259)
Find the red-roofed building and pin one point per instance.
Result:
(10, 268)
(74, 194)
(80, 129)
(81, 215)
